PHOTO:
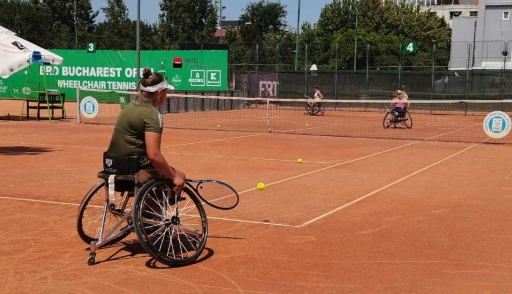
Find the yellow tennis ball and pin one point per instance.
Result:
(218, 126)
(299, 160)
(307, 125)
(261, 186)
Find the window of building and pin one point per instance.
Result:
(506, 15)
(455, 14)
(473, 13)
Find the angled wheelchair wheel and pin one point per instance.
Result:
(173, 231)
(309, 110)
(407, 120)
(90, 214)
(388, 120)
(319, 109)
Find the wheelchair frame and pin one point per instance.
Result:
(175, 228)
(317, 108)
(391, 118)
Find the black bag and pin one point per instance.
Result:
(120, 165)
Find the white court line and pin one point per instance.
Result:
(333, 166)
(216, 140)
(294, 177)
(454, 131)
(103, 148)
(383, 188)
(39, 201)
(253, 222)
(251, 158)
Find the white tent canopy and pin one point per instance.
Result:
(15, 53)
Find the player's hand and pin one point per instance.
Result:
(179, 184)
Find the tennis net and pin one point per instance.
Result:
(434, 120)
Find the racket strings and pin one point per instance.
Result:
(217, 194)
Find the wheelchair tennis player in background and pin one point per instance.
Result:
(398, 112)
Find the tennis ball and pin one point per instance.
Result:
(218, 126)
(299, 160)
(261, 186)
(307, 125)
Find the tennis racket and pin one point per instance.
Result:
(215, 193)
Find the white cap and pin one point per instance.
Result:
(170, 87)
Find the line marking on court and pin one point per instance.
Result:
(216, 140)
(253, 222)
(103, 148)
(383, 188)
(251, 158)
(333, 166)
(39, 201)
(454, 131)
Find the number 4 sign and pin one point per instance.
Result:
(410, 47)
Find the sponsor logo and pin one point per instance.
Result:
(176, 80)
(497, 124)
(89, 107)
(26, 90)
(197, 78)
(177, 62)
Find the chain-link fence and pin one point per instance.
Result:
(464, 70)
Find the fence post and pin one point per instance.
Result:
(367, 69)
(467, 71)
(277, 71)
(433, 77)
(400, 65)
(306, 70)
(257, 68)
(504, 53)
(336, 74)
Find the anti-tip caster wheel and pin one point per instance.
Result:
(92, 258)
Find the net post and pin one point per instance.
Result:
(78, 105)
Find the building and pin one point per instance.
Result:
(449, 9)
(483, 41)
(221, 29)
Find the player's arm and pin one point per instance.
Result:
(320, 95)
(153, 143)
(153, 125)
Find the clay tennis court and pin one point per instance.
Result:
(356, 216)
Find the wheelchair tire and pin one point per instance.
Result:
(176, 235)
(408, 120)
(309, 110)
(321, 109)
(386, 123)
(90, 214)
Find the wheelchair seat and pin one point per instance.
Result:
(399, 112)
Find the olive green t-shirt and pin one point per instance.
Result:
(137, 118)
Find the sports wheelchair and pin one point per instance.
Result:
(171, 227)
(397, 116)
(316, 108)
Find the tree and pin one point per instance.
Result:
(61, 17)
(28, 20)
(261, 18)
(115, 31)
(384, 27)
(188, 21)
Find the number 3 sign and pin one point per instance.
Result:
(91, 47)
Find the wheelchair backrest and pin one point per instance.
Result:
(121, 165)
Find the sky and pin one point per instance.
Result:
(309, 10)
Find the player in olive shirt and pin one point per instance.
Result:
(138, 130)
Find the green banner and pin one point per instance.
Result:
(194, 70)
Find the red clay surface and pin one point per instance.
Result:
(356, 216)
